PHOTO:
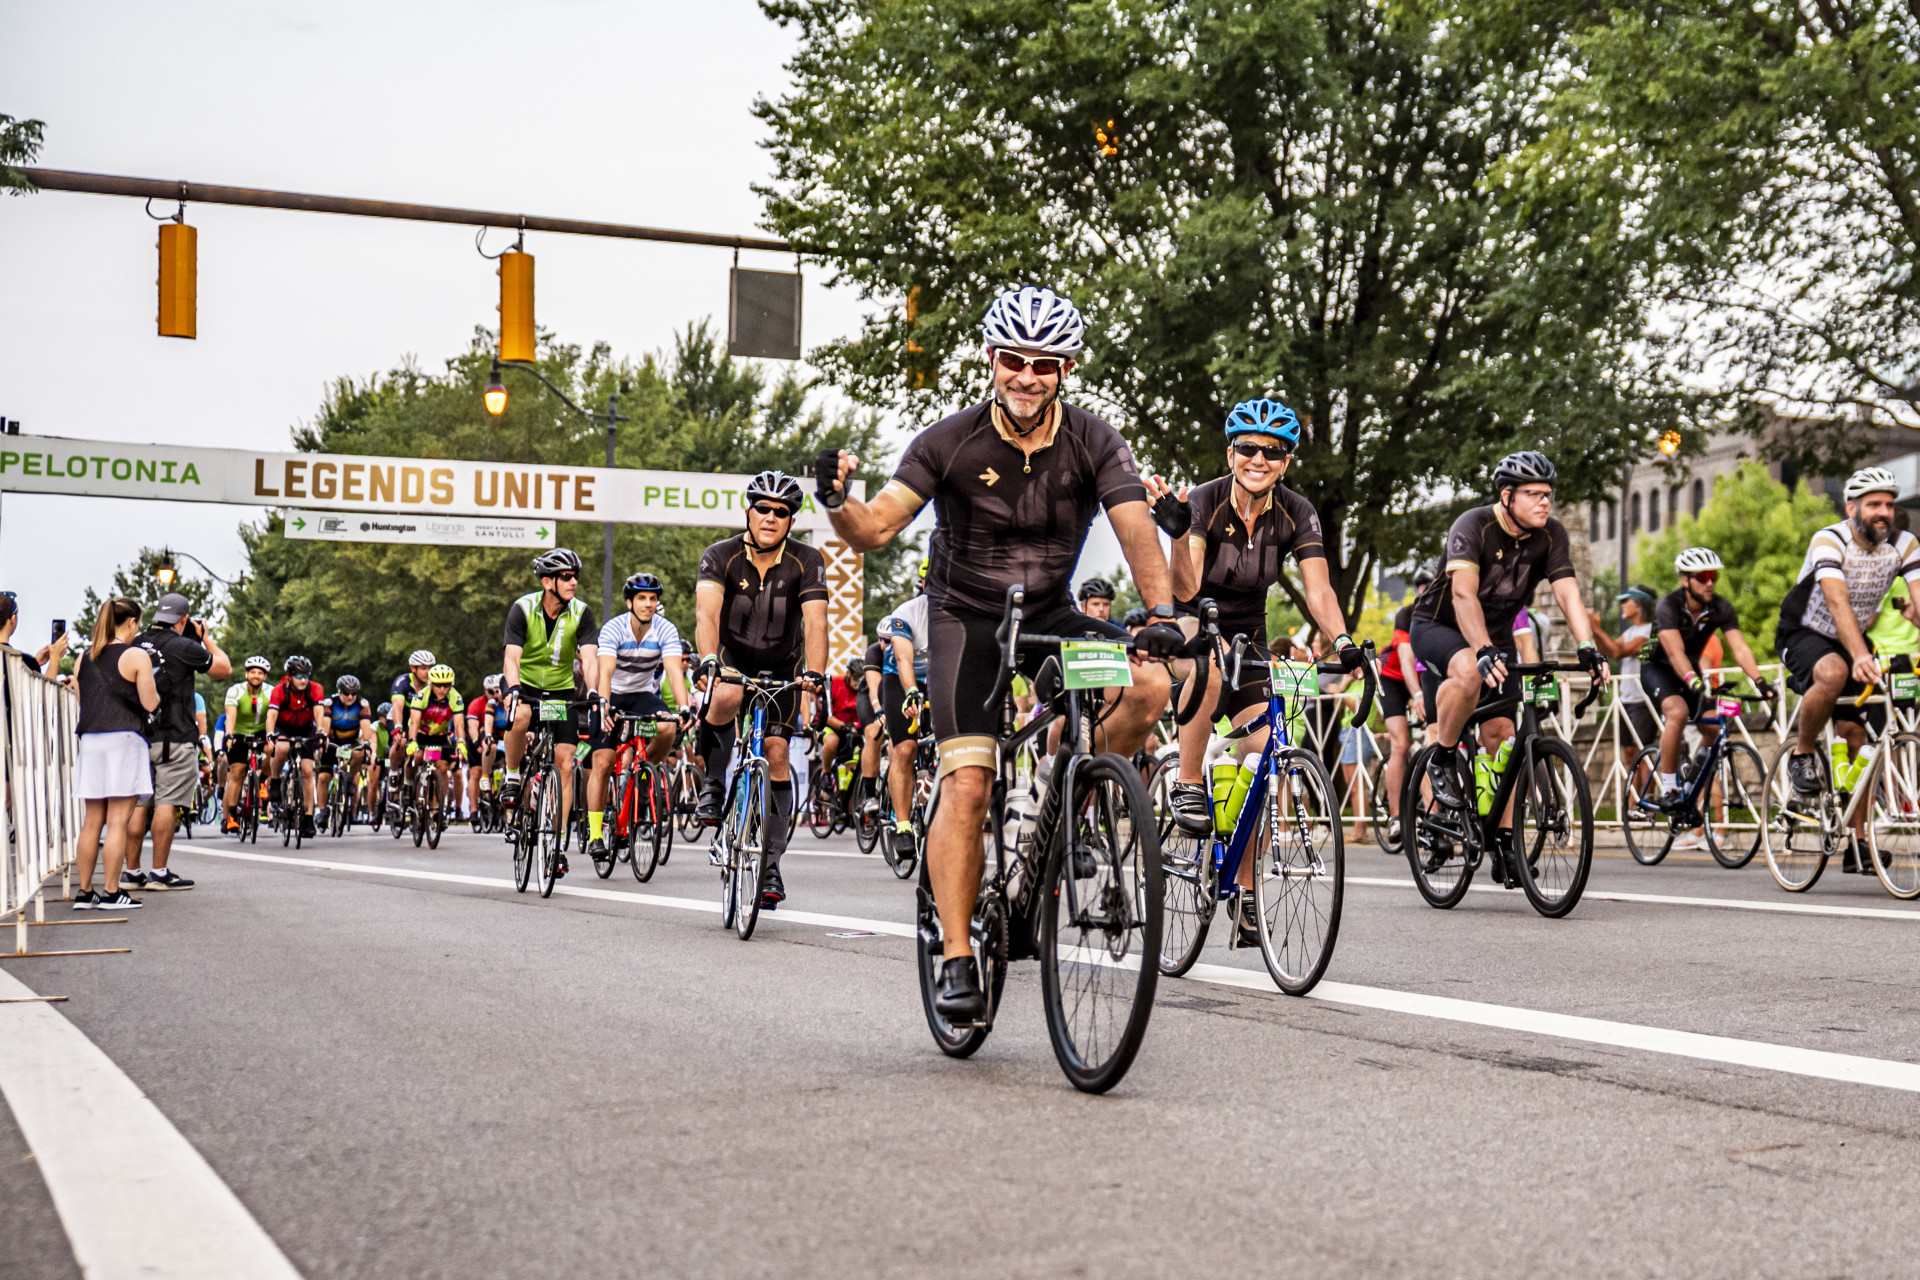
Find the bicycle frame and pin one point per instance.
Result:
(1708, 764)
(1526, 728)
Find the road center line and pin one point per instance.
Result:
(1671, 900)
(111, 1161)
(1817, 1063)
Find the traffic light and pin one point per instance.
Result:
(178, 272)
(516, 305)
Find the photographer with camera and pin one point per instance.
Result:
(181, 649)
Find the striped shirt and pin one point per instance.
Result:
(1835, 553)
(638, 659)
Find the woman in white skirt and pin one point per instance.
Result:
(115, 679)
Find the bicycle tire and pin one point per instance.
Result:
(686, 800)
(552, 831)
(609, 826)
(1655, 839)
(1552, 828)
(1189, 880)
(1300, 878)
(1893, 824)
(1105, 871)
(917, 817)
(749, 819)
(1435, 838)
(1740, 783)
(418, 823)
(989, 937)
(1795, 841)
(1380, 817)
(660, 839)
(436, 811)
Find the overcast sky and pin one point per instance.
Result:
(622, 112)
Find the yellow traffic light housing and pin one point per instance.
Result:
(516, 306)
(179, 257)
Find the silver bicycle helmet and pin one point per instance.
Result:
(420, 658)
(557, 561)
(1034, 319)
(774, 486)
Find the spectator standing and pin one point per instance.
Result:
(117, 691)
(182, 649)
(1894, 630)
(48, 656)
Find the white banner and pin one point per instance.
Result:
(413, 486)
(446, 531)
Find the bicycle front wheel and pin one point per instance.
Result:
(1795, 831)
(1553, 828)
(436, 811)
(686, 800)
(1649, 832)
(1187, 879)
(1100, 922)
(1893, 825)
(1434, 837)
(660, 842)
(1380, 818)
(552, 830)
(1300, 873)
(1734, 805)
(749, 819)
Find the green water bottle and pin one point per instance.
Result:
(1237, 795)
(1224, 773)
(1858, 770)
(1501, 757)
(1842, 771)
(1483, 784)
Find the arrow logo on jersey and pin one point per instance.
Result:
(990, 476)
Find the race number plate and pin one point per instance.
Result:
(553, 709)
(1906, 686)
(645, 729)
(1094, 664)
(1546, 692)
(430, 754)
(1730, 708)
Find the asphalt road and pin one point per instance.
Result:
(416, 1077)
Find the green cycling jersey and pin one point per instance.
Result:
(247, 710)
(548, 646)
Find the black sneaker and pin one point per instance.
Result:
(1246, 920)
(903, 843)
(708, 810)
(133, 878)
(559, 865)
(958, 997)
(1803, 771)
(597, 850)
(510, 792)
(85, 901)
(1672, 802)
(306, 826)
(1192, 808)
(1446, 788)
(118, 900)
(167, 880)
(773, 890)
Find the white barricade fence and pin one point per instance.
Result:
(39, 748)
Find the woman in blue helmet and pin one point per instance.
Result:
(1229, 537)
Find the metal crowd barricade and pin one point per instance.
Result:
(38, 752)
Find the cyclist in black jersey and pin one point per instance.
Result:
(761, 607)
(1015, 483)
(1463, 622)
(1230, 536)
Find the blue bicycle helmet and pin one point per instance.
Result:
(1267, 417)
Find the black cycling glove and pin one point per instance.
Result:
(1161, 640)
(1173, 515)
(1765, 688)
(1592, 659)
(826, 476)
(1485, 659)
(1351, 658)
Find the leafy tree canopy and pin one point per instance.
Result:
(19, 144)
(1297, 198)
(362, 607)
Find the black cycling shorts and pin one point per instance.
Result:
(1256, 674)
(1394, 698)
(1801, 649)
(963, 658)
(566, 733)
(783, 717)
(1662, 682)
(1434, 644)
(303, 744)
(643, 702)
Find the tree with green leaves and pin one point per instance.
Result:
(1763, 158)
(1760, 530)
(1298, 198)
(140, 580)
(361, 607)
(19, 145)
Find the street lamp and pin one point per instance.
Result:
(1670, 443)
(167, 574)
(165, 571)
(496, 401)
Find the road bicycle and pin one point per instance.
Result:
(639, 827)
(287, 795)
(925, 762)
(1873, 819)
(1722, 791)
(739, 846)
(830, 790)
(536, 828)
(1552, 808)
(1288, 821)
(336, 814)
(1380, 818)
(689, 780)
(253, 794)
(429, 807)
(1076, 885)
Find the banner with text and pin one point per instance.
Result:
(412, 486)
(435, 530)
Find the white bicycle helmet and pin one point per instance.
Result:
(1034, 319)
(1871, 480)
(420, 658)
(1697, 560)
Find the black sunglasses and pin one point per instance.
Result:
(568, 576)
(1014, 363)
(770, 509)
(1271, 452)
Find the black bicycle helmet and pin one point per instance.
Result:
(557, 561)
(1096, 588)
(642, 581)
(1524, 467)
(347, 686)
(296, 665)
(385, 709)
(775, 486)
(1136, 617)
(1427, 572)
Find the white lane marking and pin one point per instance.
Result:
(1672, 900)
(135, 1198)
(1817, 1063)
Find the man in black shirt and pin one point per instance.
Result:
(760, 604)
(181, 648)
(1015, 483)
(1463, 622)
(1683, 621)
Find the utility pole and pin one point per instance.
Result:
(606, 568)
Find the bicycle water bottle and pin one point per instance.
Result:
(1861, 763)
(1224, 773)
(1483, 784)
(1842, 771)
(1237, 794)
(1017, 833)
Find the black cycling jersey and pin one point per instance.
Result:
(1005, 517)
(1671, 615)
(1511, 565)
(760, 618)
(1240, 562)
